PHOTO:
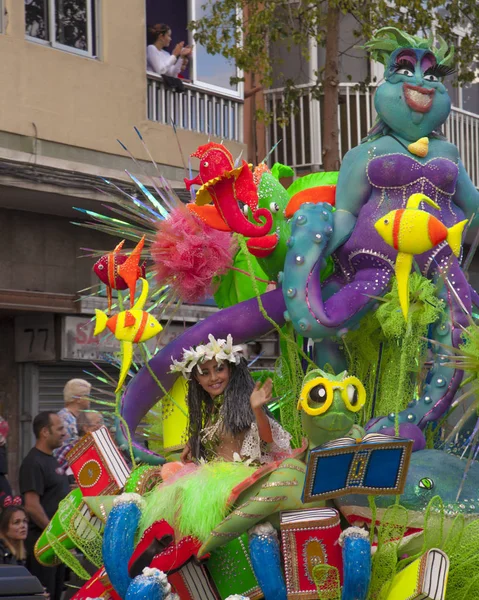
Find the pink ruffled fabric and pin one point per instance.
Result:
(188, 255)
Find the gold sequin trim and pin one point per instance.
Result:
(223, 534)
(245, 515)
(274, 484)
(294, 468)
(269, 498)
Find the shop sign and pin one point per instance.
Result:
(79, 343)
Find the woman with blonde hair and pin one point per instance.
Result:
(13, 532)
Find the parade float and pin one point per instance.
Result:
(371, 492)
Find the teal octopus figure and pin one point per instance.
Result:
(403, 154)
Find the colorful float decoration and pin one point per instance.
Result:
(366, 265)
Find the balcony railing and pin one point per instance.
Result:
(462, 129)
(195, 109)
(301, 139)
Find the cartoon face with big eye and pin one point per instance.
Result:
(413, 101)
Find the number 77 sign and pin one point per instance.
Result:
(35, 338)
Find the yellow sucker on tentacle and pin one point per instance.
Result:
(413, 231)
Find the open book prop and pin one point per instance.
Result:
(309, 537)
(423, 579)
(376, 464)
(98, 465)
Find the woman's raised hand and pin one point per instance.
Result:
(178, 49)
(262, 394)
(186, 51)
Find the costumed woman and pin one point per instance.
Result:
(227, 411)
(230, 427)
(13, 533)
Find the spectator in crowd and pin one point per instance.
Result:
(5, 489)
(184, 68)
(158, 59)
(43, 488)
(13, 533)
(76, 397)
(87, 421)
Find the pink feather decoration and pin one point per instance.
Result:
(188, 254)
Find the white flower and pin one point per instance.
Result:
(220, 350)
(228, 351)
(215, 346)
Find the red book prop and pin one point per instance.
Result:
(98, 586)
(98, 465)
(309, 537)
(191, 582)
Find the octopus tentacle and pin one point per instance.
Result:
(443, 382)
(243, 321)
(308, 247)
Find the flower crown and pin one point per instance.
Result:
(220, 350)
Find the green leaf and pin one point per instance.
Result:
(237, 287)
(313, 180)
(279, 171)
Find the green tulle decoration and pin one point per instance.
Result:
(386, 352)
(458, 540)
(196, 503)
(326, 579)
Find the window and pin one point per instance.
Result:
(65, 24)
(212, 71)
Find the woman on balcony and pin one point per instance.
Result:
(158, 59)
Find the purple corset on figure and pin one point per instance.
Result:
(396, 170)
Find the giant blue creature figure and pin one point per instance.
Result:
(403, 154)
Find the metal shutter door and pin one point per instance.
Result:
(52, 380)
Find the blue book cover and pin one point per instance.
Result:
(375, 464)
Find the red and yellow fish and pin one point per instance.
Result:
(120, 272)
(413, 231)
(129, 327)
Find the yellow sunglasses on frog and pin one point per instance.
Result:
(320, 392)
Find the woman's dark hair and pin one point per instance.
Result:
(155, 32)
(236, 410)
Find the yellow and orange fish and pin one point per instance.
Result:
(413, 231)
(129, 327)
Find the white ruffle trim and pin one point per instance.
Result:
(253, 447)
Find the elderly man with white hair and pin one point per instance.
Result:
(76, 395)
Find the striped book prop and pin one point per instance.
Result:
(191, 582)
(230, 568)
(375, 464)
(423, 579)
(98, 465)
(309, 537)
